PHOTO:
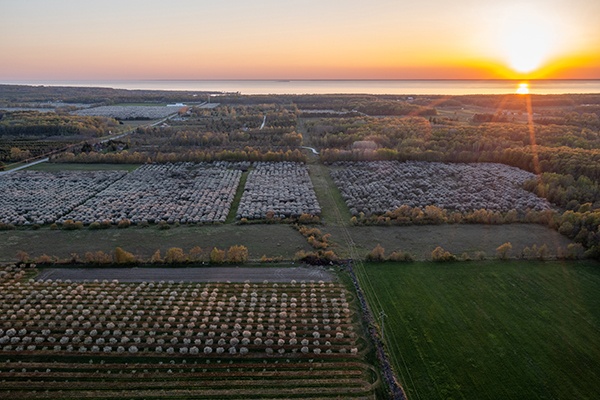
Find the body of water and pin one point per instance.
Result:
(394, 87)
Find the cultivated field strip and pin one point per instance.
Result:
(182, 192)
(381, 186)
(282, 188)
(35, 197)
(216, 340)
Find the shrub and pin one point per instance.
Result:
(156, 258)
(162, 225)
(70, 225)
(195, 253)
(503, 251)
(575, 251)
(400, 256)
(237, 254)
(124, 223)
(377, 254)
(123, 257)
(44, 259)
(309, 219)
(175, 255)
(95, 225)
(317, 258)
(441, 255)
(217, 256)
(543, 252)
(22, 256)
(105, 224)
(6, 227)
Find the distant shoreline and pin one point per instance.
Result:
(336, 86)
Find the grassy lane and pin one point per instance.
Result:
(492, 330)
(334, 212)
(237, 198)
(329, 197)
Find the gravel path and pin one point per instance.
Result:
(207, 274)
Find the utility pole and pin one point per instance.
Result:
(382, 316)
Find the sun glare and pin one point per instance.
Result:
(523, 88)
(528, 39)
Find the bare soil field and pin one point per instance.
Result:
(458, 239)
(279, 273)
(270, 240)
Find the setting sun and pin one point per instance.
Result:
(529, 46)
(534, 41)
(528, 39)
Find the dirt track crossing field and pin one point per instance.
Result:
(208, 274)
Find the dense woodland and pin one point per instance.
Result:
(230, 133)
(25, 134)
(17, 95)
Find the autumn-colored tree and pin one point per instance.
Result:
(237, 254)
(123, 257)
(98, 257)
(503, 251)
(175, 255)
(575, 251)
(543, 252)
(22, 256)
(156, 257)
(16, 154)
(124, 223)
(72, 225)
(440, 255)
(400, 256)
(217, 256)
(195, 253)
(89, 258)
(44, 259)
(377, 254)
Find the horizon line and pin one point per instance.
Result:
(283, 80)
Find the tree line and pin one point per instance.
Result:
(41, 125)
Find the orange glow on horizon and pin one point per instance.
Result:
(319, 40)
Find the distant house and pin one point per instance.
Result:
(176, 105)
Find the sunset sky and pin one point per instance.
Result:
(301, 39)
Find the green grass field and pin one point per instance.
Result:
(491, 330)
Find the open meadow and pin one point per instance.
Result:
(490, 330)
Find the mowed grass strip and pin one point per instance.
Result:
(491, 330)
(237, 198)
(273, 240)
